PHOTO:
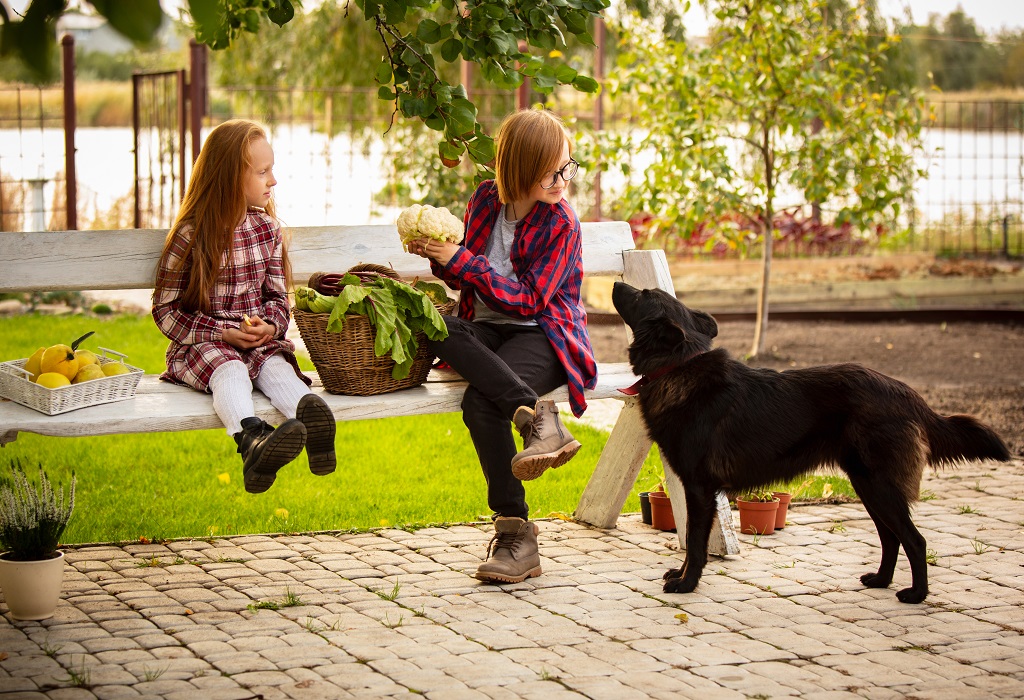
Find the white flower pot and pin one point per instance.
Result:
(32, 588)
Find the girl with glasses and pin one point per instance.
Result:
(521, 331)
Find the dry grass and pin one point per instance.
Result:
(12, 204)
(96, 104)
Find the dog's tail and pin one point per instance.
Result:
(953, 439)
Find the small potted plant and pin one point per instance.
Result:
(32, 521)
(784, 499)
(662, 517)
(758, 508)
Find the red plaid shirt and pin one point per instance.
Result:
(251, 283)
(547, 256)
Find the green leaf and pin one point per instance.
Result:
(462, 116)
(384, 92)
(450, 151)
(565, 73)
(429, 31)
(585, 83)
(210, 21)
(481, 149)
(281, 13)
(451, 49)
(384, 73)
(138, 20)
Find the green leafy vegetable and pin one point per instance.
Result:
(396, 310)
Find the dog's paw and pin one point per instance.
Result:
(673, 573)
(911, 595)
(679, 585)
(875, 581)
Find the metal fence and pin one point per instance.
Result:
(333, 153)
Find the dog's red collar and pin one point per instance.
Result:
(634, 388)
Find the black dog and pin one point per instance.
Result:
(723, 426)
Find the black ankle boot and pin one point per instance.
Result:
(266, 449)
(314, 413)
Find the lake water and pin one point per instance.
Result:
(324, 181)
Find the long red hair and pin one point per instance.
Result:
(214, 206)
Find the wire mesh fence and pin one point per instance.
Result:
(335, 150)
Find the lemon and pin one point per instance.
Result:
(112, 368)
(32, 363)
(52, 380)
(88, 373)
(60, 359)
(86, 357)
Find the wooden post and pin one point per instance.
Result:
(67, 43)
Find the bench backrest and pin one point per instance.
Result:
(127, 259)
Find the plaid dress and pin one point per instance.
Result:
(251, 283)
(547, 256)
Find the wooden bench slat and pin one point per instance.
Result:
(44, 260)
(164, 407)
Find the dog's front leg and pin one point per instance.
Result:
(700, 515)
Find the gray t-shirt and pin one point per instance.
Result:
(498, 252)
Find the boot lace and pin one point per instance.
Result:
(503, 540)
(530, 430)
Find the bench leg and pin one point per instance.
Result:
(617, 469)
(616, 472)
(723, 538)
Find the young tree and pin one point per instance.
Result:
(729, 127)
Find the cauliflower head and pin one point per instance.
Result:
(425, 221)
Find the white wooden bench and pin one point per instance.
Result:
(127, 259)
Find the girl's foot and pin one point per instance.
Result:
(314, 413)
(265, 449)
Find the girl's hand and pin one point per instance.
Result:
(251, 334)
(255, 324)
(438, 251)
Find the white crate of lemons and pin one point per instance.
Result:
(63, 378)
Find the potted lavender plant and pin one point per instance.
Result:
(32, 520)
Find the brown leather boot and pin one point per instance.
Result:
(512, 554)
(546, 442)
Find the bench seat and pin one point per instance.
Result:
(164, 407)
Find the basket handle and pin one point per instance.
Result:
(16, 368)
(113, 352)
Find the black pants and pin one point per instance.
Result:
(507, 366)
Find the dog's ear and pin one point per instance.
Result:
(659, 334)
(706, 324)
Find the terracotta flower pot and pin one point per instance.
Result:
(780, 514)
(757, 517)
(662, 517)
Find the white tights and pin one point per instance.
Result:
(232, 390)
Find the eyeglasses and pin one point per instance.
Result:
(567, 171)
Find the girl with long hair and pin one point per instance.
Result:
(221, 297)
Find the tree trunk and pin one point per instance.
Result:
(761, 322)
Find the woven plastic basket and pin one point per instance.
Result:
(14, 385)
(346, 362)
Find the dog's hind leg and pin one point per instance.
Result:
(890, 545)
(891, 514)
(700, 515)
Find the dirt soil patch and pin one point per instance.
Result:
(959, 367)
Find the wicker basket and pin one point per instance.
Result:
(346, 362)
(14, 385)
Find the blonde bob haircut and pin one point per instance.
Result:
(529, 144)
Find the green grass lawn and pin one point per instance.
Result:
(391, 472)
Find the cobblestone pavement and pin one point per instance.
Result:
(395, 613)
